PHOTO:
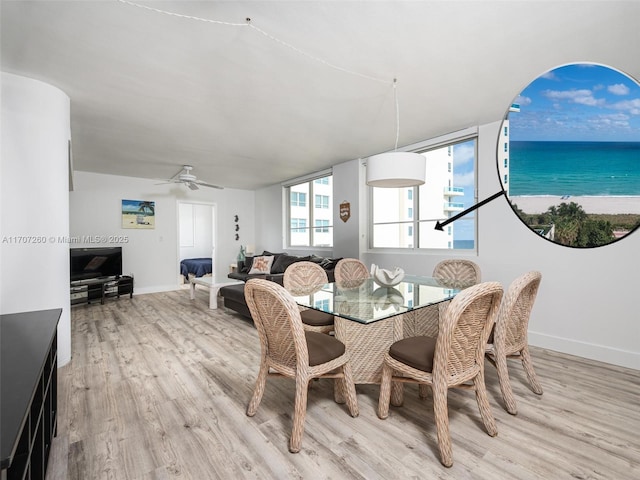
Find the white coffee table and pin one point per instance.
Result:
(214, 288)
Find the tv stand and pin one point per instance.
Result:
(93, 289)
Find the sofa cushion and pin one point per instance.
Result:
(329, 263)
(245, 265)
(261, 265)
(281, 263)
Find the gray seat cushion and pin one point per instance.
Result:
(322, 347)
(416, 352)
(316, 318)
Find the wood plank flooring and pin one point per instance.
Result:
(158, 386)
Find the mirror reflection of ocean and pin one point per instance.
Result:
(574, 168)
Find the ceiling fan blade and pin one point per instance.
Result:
(205, 184)
(192, 185)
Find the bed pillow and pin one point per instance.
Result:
(261, 265)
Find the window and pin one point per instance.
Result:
(298, 199)
(322, 304)
(310, 224)
(322, 201)
(299, 226)
(322, 226)
(400, 219)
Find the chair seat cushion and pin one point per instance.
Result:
(322, 347)
(416, 352)
(316, 318)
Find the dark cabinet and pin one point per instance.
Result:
(28, 390)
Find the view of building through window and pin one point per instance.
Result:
(311, 213)
(406, 217)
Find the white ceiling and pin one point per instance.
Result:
(151, 92)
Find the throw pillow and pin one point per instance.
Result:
(246, 265)
(261, 265)
(316, 259)
(281, 262)
(330, 263)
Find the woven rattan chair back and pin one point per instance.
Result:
(277, 319)
(285, 352)
(303, 278)
(459, 271)
(510, 334)
(350, 269)
(464, 330)
(300, 276)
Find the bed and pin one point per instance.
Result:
(198, 267)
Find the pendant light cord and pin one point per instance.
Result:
(287, 45)
(395, 97)
(266, 34)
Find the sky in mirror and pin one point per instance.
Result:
(579, 103)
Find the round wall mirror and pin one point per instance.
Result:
(569, 155)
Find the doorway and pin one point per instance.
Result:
(196, 235)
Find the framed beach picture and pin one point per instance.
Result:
(138, 214)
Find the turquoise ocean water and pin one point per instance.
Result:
(574, 168)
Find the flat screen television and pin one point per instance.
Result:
(95, 262)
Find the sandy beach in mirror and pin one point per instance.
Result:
(590, 204)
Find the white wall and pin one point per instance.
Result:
(152, 255)
(586, 305)
(34, 192)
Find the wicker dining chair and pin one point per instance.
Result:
(455, 358)
(350, 269)
(455, 272)
(458, 270)
(287, 350)
(509, 336)
(298, 278)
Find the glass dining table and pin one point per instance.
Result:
(369, 317)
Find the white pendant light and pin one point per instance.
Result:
(396, 169)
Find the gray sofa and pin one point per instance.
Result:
(233, 295)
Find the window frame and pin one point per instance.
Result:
(448, 140)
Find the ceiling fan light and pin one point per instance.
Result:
(396, 170)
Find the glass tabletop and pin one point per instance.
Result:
(366, 301)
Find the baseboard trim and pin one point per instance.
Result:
(601, 353)
(155, 289)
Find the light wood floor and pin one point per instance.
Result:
(158, 385)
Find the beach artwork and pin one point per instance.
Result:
(138, 214)
(569, 155)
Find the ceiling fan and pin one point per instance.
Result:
(189, 179)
